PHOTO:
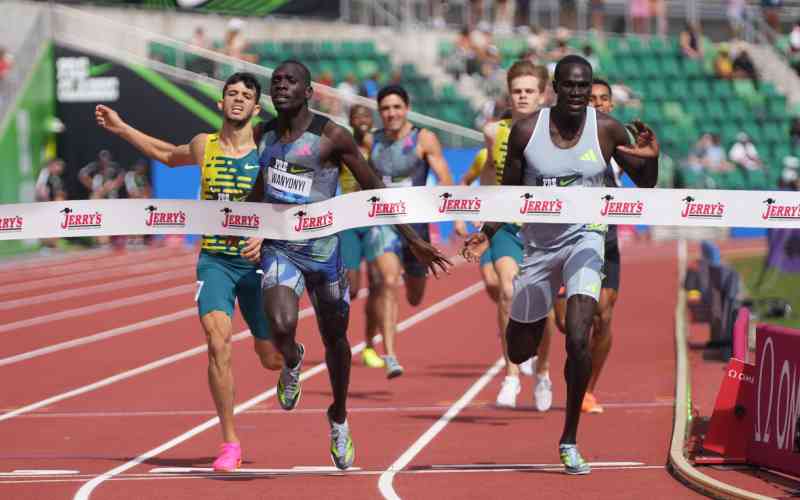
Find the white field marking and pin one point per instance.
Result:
(148, 279)
(153, 476)
(69, 259)
(526, 466)
(95, 308)
(113, 272)
(38, 472)
(385, 480)
(114, 332)
(86, 490)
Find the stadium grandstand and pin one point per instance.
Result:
(700, 394)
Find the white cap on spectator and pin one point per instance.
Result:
(789, 175)
(235, 24)
(742, 137)
(791, 162)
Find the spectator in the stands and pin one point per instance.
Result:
(202, 65)
(658, 9)
(744, 154)
(102, 177)
(6, 62)
(369, 86)
(588, 54)
(698, 153)
(235, 42)
(736, 13)
(598, 9)
(794, 47)
(790, 176)
(691, 41)
(772, 11)
(743, 67)
(50, 183)
(199, 38)
(723, 64)
(137, 181)
(794, 131)
(639, 11)
(715, 158)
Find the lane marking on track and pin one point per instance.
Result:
(38, 472)
(114, 332)
(97, 274)
(476, 405)
(386, 478)
(86, 490)
(95, 308)
(147, 279)
(321, 472)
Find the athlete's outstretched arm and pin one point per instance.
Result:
(156, 149)
(638, 160)
(346, 149)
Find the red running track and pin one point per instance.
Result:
(109, 396)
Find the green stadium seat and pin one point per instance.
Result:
(700, 89)
(692, 68)
(670, 67)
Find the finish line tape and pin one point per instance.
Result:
(520, 204)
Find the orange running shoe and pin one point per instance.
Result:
(590, 404)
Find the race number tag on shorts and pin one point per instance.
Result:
(287, 178)
(397, 182)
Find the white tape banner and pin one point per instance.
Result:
(522, 204)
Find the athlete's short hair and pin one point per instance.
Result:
(397, 90)
(355, 108)
(306, 73)
(248, 79)
(568, 61)
(527, 68)
(600, 81)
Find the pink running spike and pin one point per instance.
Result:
(230, 457)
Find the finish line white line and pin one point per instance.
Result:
(86, 490)
(166, 473)
(385, 481)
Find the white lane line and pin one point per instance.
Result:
(95, 308)
(38, 472)
(114, 332)
(97, 274)
(148, 279)
(354, 471)
(77, 263)
(86, 490)
(298, 469)
(387, 477)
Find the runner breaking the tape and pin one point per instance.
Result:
(568, 145)
(301, 154)
(229, 165)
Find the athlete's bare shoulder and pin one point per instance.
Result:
(526, 125)
(197, 146)
(490, 129)
(337, 134)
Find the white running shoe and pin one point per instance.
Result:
(543, 393)
(507, 397)
(528, 368)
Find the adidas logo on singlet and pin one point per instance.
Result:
(589, 156)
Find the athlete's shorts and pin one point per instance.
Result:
(221, 280)
(578, 264)
(611, 265)
(316, 264)
(384, 239)
(353, 245)
(505, 243)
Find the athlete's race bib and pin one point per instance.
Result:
(284, 178)
(562, 181)
(395, 182)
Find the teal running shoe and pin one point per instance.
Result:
(572, 460)
(343, 452)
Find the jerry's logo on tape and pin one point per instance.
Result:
(157, 218)
(459, 205)
(380, 208)
(72, 220)
(233, 220)
(613, 208)
(11, 224)
(530, 206)
(694, 209)
(307, 223)
(776, 211)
